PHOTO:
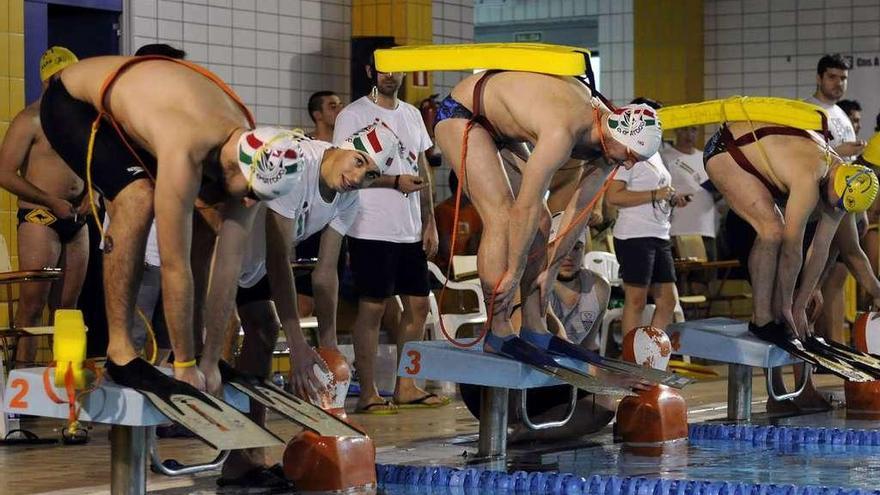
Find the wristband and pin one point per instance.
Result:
(397, 182)
(185, 364)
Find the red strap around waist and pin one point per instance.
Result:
(479, 117)
(732, 145)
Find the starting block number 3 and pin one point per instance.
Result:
(415, 365)
(17, 401)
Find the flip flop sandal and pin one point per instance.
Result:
(373, 408)
(422, 402)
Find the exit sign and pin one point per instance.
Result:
(534, 36)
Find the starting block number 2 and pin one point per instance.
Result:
(415, 364)
(17, 401)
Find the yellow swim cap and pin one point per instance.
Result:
(54, 59)
(872, 150)
(856, 185)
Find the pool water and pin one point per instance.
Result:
(807, 465)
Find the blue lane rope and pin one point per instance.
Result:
(784, 435)
(482, 481)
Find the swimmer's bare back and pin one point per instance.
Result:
(790, 157)
(523, 105)
(158, 103)
(44, 168)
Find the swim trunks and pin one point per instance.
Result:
(65, 228)
(67, 123)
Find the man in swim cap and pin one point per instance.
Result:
(266, 293)
(561, 119)
(169, 133)
(51, 209)
(757, 165)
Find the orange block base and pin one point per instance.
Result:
(656, 415)
(862, 400)
(317, 463)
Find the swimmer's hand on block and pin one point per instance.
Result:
(70, 346)
(530, 57)
(780, 111)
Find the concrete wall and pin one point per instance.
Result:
(274, 53)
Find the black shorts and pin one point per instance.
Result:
(307, 248)
(645, 260)
(65, 228)
(259, 292)
(538, 401)
(67, 123)
(384, 269)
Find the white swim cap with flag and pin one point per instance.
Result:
(379, 142)
(271, 159)
(637, 127)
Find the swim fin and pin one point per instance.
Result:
(848, 355)
(561, 347)
(288, 405)
(514, 347)
(215, 422)
(776, 334)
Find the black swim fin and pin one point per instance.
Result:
(850, 356)
(560, 347)
(215, 422)
(514, 347)
(288, 405)
(778, 335)
(834, 343)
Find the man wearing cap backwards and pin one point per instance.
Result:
(51, 209)
(800, 168)
(170, 133)
(266, 296)
(560, 118)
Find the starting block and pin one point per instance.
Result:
(129, 413)
(440, 360)
(729, 341)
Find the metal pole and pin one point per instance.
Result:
(493, 422)
(739, 392)
(128, 454)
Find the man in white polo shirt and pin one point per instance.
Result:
(324, 194)
(390, 242)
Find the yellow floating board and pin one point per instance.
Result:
(530, 57)
(70, 346)
(781, 111)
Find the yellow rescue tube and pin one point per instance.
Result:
(530, 57)
(70, 346)
(781, 111)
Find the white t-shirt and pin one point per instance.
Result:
(386, 214)
(687, 172)
(838, 123)
(644, 220)
(305, 205)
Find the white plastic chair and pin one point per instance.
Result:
(606, 266)
(452, 321)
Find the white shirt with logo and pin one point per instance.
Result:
(305, 206)
(647, 219)
(386, 214)
(688, 173)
